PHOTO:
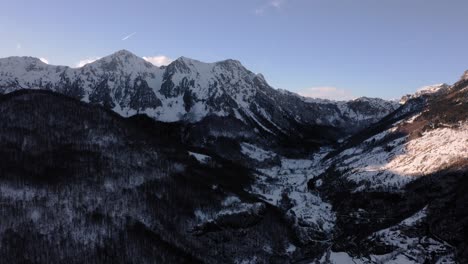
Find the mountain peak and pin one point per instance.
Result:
(122, 59)
(187, 61)
(123, 52)
(124, 55)
(230, 64)
(184, 65)
(464, 77)
(230, 61)
(430, 89)
(227, 62)
(186, 89)
(25, 59)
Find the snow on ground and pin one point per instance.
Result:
(200, 157)
(308, 212)
(416, 218)
(231, 200)
(255, 152)
(411, 120)
(435, 89)
(393, 235)
(290, 248)
(331, 257)
(254, 208)
(431, 89)
(231, 205)
(292, 174)
(172, 110)
(409, 247)
(251, 260)
(436, 150)
(396, 163)
(380, 135)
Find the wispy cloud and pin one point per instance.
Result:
(277, 3)
(18, 46)
(158, 60)
(327, 92)
(128, 36)
(44, 60)
(271, 4)
(83, 62)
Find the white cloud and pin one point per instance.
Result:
(44, 60)
(158, 60)
(83, 62)
(327, 92)
(276, 4)
(18, 46)
(128, 36)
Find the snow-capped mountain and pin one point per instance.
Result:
(429, 90)
(188, 90)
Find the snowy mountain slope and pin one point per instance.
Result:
(81, 184)
(189, 90)
(391, 159)
(363, 109)
(397, 188)
(429, 138)
(408, 245)
(118, 82)
(430, 90)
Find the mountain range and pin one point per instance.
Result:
(120, 161)
(189, 90)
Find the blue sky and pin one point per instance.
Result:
(328, 48)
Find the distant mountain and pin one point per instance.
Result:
(190, 90)
(431, 90)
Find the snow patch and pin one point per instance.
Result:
(255, 152)
(204, 159)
